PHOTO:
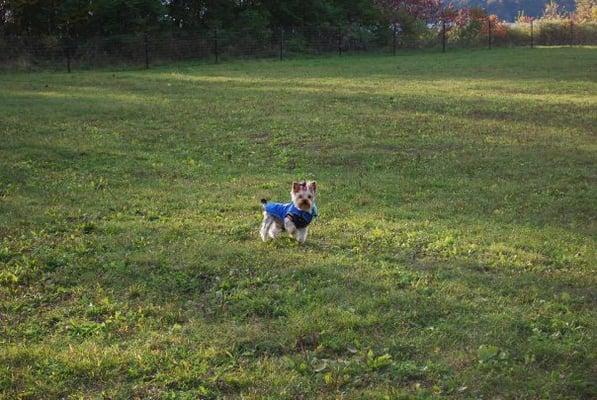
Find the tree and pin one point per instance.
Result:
(509, 9)
(80, 17)
(419, 9)
(586, 10)
(552, 11)
(410, 16)
(521, 18)
(124, 16)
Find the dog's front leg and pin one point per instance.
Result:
(275, 230)
(301, 235)
(290, 227)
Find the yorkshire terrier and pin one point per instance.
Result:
(293, 217)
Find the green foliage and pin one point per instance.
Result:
(377, 362)
(468, 34)
(412, 30)
(453, 257)
(82, 18)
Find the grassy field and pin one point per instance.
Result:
(454, 255)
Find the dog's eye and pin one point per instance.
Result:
(310, 196)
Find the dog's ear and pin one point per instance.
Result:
(296, 187)
(312, 186)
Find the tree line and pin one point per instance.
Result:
(112, 17)
(87, 18)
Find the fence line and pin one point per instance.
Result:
(158, 47)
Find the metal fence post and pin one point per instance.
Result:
(531, 34)
(281, 43)
(146, 45)
(68, 45)
(216, 45)
(339, 41)
(489, 31)
(394, 33)
(443, 35)
(571, 32)
(68, 60)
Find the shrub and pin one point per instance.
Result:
(586, 33)
(470, 27)
(555, 31)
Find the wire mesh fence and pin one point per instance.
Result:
(216, 45)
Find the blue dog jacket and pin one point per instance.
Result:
(282, 210)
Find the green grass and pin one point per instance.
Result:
(454, 255)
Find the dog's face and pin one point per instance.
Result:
(303, 194)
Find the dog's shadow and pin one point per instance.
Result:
(315, 244)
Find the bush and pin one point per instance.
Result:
(554, 32)
(471, 27)
(359, 38)
(585, 33)
(519, 34)
(296, 43)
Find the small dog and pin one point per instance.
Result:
(293, 217)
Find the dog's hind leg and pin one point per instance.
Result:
(268, 221)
